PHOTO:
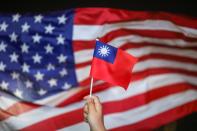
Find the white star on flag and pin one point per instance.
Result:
(52, 82)
(49, 29)
(66, 86)
(4, 85)
(38, 18)
(60, 39)
(3, 26)
(61, 58)
(63, 72)
(36, 38)
(19, 93)
(24, 48)
(15, 18)
(49, 49)
(39, 76)
(28, 84)
(13, 37)
(25, 68)
(14, 57)
(50, 67)
(62, 19)
(2, 66)
(42, 92)
(37, 58)
(15, 75)
(25, 27)
(3, 47)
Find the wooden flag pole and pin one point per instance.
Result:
(91, 85)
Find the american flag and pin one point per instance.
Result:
(45, 61)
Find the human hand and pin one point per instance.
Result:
(93, 113)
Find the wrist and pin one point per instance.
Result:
(98, 127)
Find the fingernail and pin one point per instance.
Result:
(90, 100)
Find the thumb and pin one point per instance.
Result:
(91, 106)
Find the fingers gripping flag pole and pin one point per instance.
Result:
(112, 65)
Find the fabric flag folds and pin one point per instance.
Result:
(45, 62)
(112, 65)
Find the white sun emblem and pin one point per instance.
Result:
(103, 51)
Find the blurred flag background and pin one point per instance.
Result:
(45, 61)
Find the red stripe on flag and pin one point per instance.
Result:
(162, 34)
(17, 109)
(80, 44)
(86, 16)
(134, 45)
(79, 96)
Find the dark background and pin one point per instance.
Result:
(186, 7)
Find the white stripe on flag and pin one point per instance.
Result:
(7, 100)
(91, 32)
(158, 63)
(58, 98)
(87, 54)
(119, 41)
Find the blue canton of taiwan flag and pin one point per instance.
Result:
(112, 65)
(36, 55)
(105, 52)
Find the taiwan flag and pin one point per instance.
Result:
(112, 65)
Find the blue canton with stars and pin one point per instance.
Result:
(36, 55)
(105, 52)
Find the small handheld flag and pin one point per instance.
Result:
(112, 65)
